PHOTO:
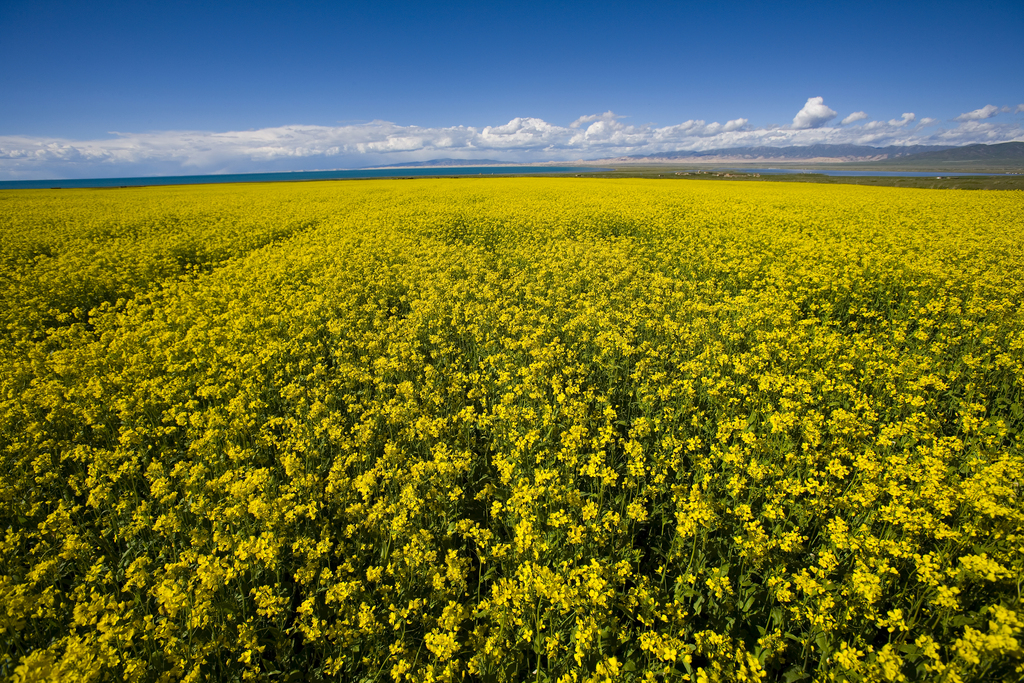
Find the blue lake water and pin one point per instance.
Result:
(298, 175)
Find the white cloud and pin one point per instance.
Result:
(908, 117)
(607, 116)
(524, 139)
(814, 114)
(854, 117)
(986, 112)
(1019, 109)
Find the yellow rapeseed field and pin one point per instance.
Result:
(509, 430)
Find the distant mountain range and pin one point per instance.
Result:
(907, 155)
(794, 153)
(1001, 153)
(1005, 151)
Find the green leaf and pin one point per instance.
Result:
(795, 674)
(821, 640)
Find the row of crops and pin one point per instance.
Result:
(511, 430)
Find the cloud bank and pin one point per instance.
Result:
(523, 139)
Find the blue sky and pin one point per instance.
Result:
(107, 89)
